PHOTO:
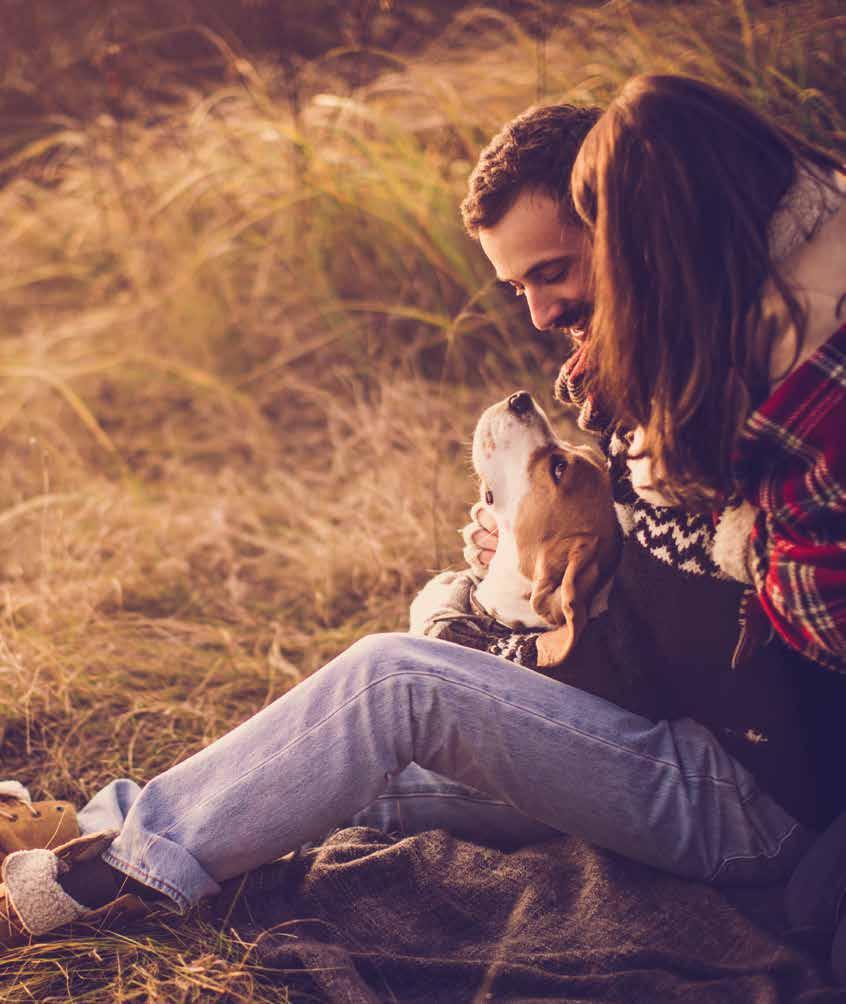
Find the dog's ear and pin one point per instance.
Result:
(567, 575)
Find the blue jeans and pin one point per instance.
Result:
(408, 734)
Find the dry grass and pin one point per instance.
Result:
(241, 360)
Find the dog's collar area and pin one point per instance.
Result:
(491, 623)
(480, 620)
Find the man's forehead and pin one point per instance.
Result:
(529, 235)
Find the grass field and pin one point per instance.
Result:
(242, 354)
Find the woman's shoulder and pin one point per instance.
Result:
(803, 418)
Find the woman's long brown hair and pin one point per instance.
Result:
(679, 182)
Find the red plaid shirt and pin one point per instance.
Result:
(791, 464)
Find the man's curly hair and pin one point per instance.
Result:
(534, 151)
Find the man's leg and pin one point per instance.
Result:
(414, 800)
(663, 793)
(417, 799)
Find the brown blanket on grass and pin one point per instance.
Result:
(437, 920)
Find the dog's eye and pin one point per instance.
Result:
(557, 468)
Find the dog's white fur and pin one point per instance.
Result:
(503, 445)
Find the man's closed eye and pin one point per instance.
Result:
(554, 271)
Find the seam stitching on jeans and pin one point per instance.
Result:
(391, 796)
(754, 857)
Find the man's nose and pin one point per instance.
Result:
(542, 309)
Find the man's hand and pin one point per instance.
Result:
(481, 537)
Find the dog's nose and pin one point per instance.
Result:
(521, 402)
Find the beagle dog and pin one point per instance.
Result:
(558, 532)
(559, 540)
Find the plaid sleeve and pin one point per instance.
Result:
(803, 592)
(793, 464)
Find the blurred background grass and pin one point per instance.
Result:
(244, 342)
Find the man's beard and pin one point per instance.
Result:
(575, 319)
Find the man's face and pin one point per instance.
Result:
(544, 260)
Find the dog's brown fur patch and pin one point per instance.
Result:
(568, 542)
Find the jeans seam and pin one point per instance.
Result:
(750, 796)
(392, 796)
(466, 686)
(761, 855)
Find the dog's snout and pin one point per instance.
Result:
(521, 402)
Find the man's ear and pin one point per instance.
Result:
(567, 574)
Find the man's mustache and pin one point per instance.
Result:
(575, 315)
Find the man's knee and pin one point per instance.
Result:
(385, 648)
(386, 653)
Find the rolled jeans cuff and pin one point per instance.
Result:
(187, 881)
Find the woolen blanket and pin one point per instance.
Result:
(437, 920)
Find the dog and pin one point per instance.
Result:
(559, 539)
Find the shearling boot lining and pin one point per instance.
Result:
(14, 789)
(34, 892)
(732, 542)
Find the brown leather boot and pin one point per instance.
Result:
(32, 902)
(25, 824)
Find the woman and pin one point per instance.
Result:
(396, 716)
(719, 275)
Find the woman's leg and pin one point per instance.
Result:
(663, 793)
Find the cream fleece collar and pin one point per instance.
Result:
(809, 204)
(811, 228)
